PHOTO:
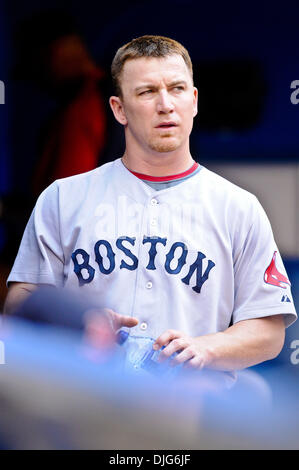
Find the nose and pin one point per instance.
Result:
(164, 103)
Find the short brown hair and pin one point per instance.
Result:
(146, 46)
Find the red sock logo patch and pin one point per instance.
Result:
(273, 276)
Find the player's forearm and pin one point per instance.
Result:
(244, 344)
(17, 293)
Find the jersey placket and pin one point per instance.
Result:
(146, 299)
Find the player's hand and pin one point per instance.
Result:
(101, 326)
(117, 320)
(190, 350)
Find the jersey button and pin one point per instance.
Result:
(143, 326)
(149, 285)
(153, 222)
(154, 202)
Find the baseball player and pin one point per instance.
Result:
(174, 251)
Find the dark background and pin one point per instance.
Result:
(245, 57)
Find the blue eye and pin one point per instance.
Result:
(146, 92)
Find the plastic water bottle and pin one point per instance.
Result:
(140, 355)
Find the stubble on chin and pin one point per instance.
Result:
(163, 146)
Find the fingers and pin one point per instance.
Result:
(173, 341)
(166, 337)
(128, 321)
(118, 320)
(197, 362)
(190, 359)
(183, 356)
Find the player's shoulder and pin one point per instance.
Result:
(73, 191)
(86, 178)
(77, 184)
(223, 188)
(234, 201)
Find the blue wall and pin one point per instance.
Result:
(264, 32)
(4, 114)
(4, 108)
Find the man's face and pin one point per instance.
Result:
(158, 103)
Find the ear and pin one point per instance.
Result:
(195, 101)
(118, 109)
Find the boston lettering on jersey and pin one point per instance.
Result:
(195, 269)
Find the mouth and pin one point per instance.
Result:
(166, 125)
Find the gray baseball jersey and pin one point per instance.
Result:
(194, 257)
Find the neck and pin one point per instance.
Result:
(158, 164)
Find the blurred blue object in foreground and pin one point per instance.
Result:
(52, 396)
(49, 305)
(59, 390)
